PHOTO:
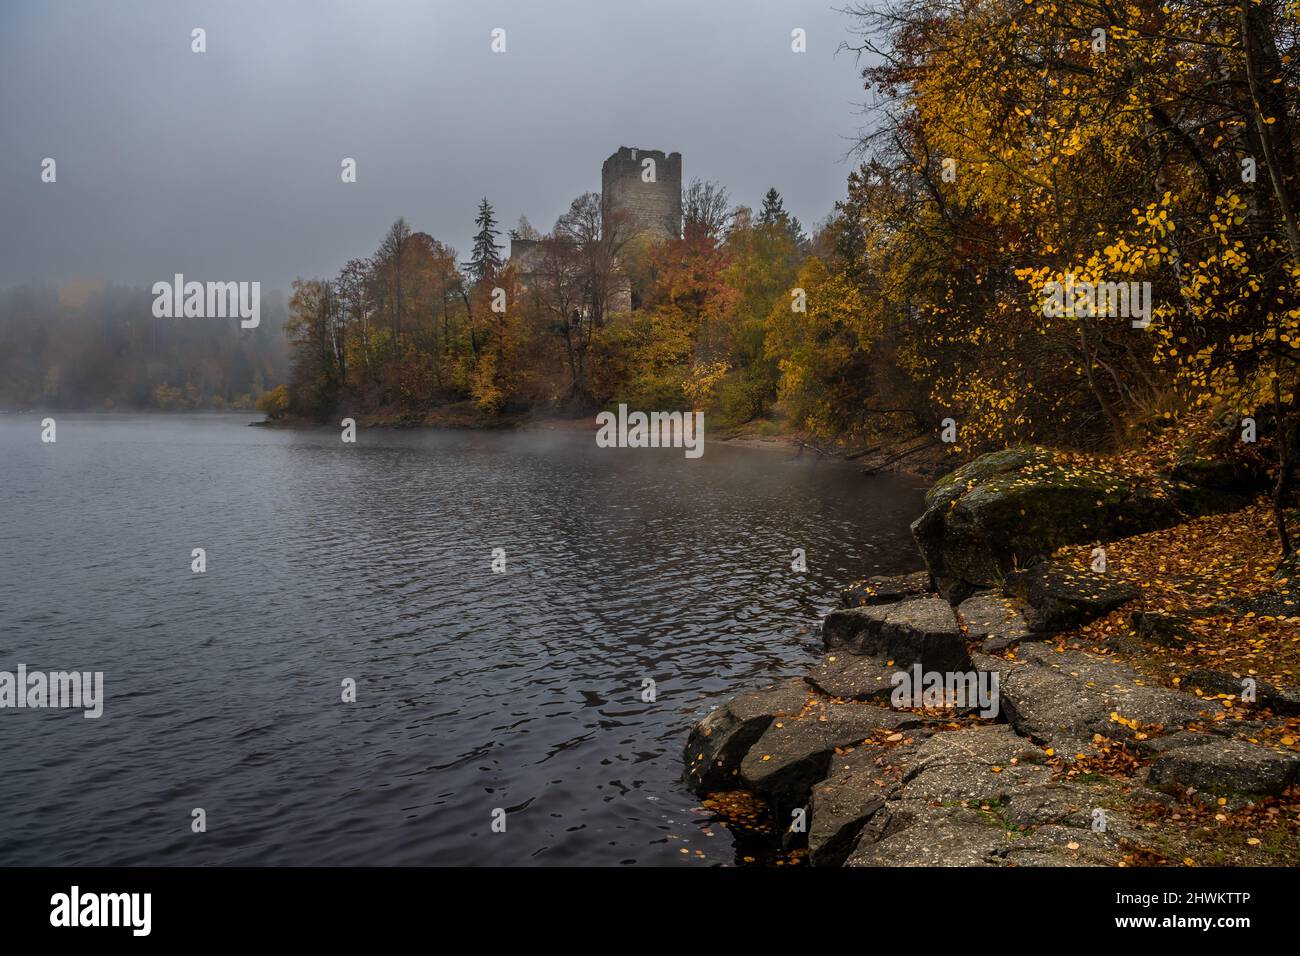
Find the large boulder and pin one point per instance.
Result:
(855, 789)
(994, 621)
(951, 836)
(854, 677)
(718, 742)
(1227, 766)
(920, 834)
(1061, 598)
(792, 755)
(1064, 698)
(1010, 508)
(919, 630)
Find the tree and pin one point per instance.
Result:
(391, 257)
(705, 212)
(824, 352)
(525, 230)
(1020, 148)
(557, 291)
(485, 257)
(773, 215)
(773, 210)
(313, 336)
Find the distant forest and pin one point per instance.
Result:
(1012, 149)
(93, 347)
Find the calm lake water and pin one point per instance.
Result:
(475, 690)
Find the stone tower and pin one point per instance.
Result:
(645, 185)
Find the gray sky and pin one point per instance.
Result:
(226, 165)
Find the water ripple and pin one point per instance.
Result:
(475, 690)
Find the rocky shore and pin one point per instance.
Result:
(1097, 753)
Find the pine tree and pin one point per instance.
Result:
(485, 260)
(773, 214)
(773, 210)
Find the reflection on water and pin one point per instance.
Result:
(372, 561)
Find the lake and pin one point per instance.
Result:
(476, 691)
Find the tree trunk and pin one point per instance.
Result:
(1282, 488)
(1272, 120)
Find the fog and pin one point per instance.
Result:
(226, 164)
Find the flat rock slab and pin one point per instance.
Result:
(792, 755)
(1280, 700)
(885, 589)
(1044, 823)
(948, 837)
(718, 742)
(919, 833)
(1054, 845)
(1064, 698)
(994, 620)
(920, 630)
(853, 677)
(845, 628)
(1058, 802)
(1226, 766)
(1062, 598)
(977, 764)
(855, 789)
(881, 789)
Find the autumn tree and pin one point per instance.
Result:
(391, 260)
(313, 331)
(705, 211)
(1030, 147)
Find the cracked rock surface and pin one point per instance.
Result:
(898, 787)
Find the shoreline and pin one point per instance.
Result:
(894, 457)
(1115, 727)
(891, 457)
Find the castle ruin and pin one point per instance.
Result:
(644, 186)
(641, 197)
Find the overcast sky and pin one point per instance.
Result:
(226, 165)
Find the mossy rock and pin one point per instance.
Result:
(1008, 509)
(956, 483)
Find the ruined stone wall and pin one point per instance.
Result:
(653, 208)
